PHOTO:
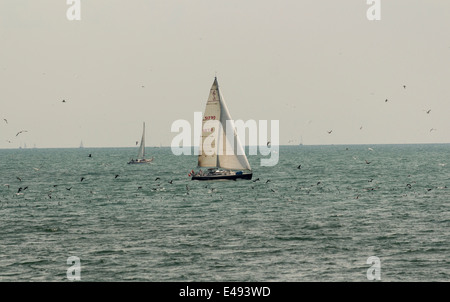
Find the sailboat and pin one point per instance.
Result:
(221, 163)
(141, 153)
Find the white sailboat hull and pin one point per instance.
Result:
(140, 161)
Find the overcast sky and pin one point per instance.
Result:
(313, 65)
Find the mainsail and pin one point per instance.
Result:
(219, 148)
(141, 153)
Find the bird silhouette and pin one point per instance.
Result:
(299, 166)
(256, 180)
(6, 121)
(117, 175)
(21, 132)
(329, 132)
(171, 181)
(368, 162)
(20, 179)
(82, 178)
(157, 178)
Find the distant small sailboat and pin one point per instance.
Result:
(81, 145)
(216, 157)
(141, 153)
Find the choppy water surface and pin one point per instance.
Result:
(317, 223)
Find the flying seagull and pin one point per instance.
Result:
(21, 132)
(329, 132)
(6, 121)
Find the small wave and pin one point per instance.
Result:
(296, 238)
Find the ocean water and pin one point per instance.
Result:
(318, 223)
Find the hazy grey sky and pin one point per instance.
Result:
(313, 65)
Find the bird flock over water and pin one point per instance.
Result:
(15, 191)
(386, 100)
(23, 190)
(20, 189)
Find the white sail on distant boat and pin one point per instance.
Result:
(141, 153)
(81, 145)
(221, 163)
